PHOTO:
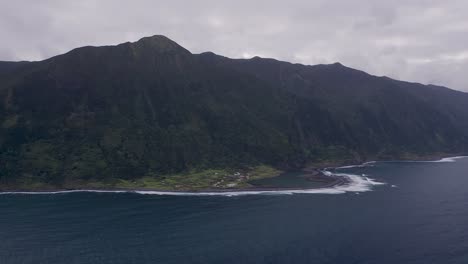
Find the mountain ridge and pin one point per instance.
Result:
(162, 38)
(152, 108)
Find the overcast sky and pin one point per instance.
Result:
(416, 40)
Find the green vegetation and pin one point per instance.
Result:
(201, 180)
(152, 115)
(189, 181)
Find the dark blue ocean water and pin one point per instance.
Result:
(424, 219)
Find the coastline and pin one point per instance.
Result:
(332, 181)
(323, 174)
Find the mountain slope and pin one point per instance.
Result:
(380, 114)
(153, 108)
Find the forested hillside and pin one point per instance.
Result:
(152, 108)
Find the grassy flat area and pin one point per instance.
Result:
(198, 180)
(193, 180)
(189, 181)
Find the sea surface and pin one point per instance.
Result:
(392, 212)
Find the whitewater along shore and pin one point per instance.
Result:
(326, 180)
(323, 181)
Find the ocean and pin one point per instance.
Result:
(391, 212)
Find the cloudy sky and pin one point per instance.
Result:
(416, 40)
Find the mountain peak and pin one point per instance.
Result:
(158, 42)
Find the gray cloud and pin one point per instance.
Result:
(415, 40)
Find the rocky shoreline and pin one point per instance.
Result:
(311, 174)
(314, 174)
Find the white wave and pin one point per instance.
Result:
(371, 163)
(363, 165)
(355, 184)
(350, 166)
(450, 159)
(443, 160)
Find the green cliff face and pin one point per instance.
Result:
(152, 108)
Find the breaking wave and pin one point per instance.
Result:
(354, 183)
(451, 159)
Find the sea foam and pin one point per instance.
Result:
(372, 163)
(451, 159)
(354, 184)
